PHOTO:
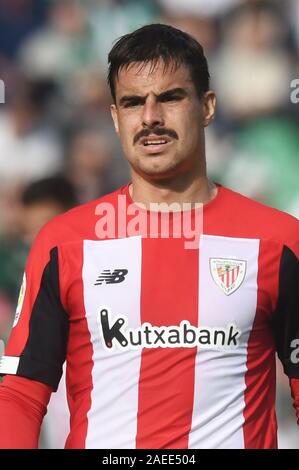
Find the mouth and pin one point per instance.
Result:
(155, 144)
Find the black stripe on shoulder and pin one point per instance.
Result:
(45, 351)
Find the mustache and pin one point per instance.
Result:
(156, 131)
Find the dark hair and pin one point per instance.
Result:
(159, 41)
(57, 189)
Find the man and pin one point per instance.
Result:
(167, 345)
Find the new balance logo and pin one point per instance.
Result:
(117, 276)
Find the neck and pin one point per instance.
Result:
(195, 190)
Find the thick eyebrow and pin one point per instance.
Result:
(166, 94)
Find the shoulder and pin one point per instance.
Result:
(77, 223)
(262, 221)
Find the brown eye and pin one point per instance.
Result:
(132, 104)
(171, 98)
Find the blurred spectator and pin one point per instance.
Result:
(252, 63)
(39, 202)
(110, 19)
(62, 47)
(89, 93)
(202, 8)
(43, 200)
(294, 18)
(202, 29)
(18, 18)
(260, 160)
(30, 147)
(88, 165)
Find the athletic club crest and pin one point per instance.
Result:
(228, 273)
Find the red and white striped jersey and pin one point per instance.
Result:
(166, 347)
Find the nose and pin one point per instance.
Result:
(152, 113)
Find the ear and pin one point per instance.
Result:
(209, 105)
(114, 116)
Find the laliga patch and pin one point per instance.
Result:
(20, 301)
(228, 273)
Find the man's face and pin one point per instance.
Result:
(160, 119)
